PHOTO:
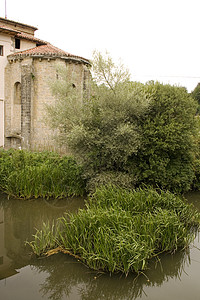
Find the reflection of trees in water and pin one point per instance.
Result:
(133, 287)
(20, 220)
(170, 266)
(65, 274)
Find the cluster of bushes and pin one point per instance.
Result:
(128, 132)
(122, 230)
(196, 95)
(142, 134)
(25, 174)
(169, 132)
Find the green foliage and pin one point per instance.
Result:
(167, 153)
(108, 133)
(196, 162)
(106, 72)
(122, 230)
(120, 179)
(145, 131)
(196, 95)
(102, 131)
(143, 201)
(26, 175)
(44, 239)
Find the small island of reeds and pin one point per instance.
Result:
(121, 230)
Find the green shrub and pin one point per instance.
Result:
(196, 181)
(196, 162)
(146, 130)
(196, 95)
(120, 179)
(167, 153)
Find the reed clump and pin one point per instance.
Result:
(25, 174)
(122, 230)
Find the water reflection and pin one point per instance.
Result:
(62, 277)
(65, 274)
(18, 220)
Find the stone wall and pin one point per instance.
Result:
(1, 123)
(26, 99)
(35, 76)
(8, 43)
(12, 75)
(5, 41)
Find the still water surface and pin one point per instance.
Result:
(61, 277)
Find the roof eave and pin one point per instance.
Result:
(21, 24)
(48, 56)
(9, 31)
(31, 38)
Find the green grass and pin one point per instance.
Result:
(122, 230)
(25, 174)
(44, 239)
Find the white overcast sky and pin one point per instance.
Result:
(156, 39)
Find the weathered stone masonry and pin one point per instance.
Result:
(28, 68)
(26, 85)
(28, 75)
(36, 73)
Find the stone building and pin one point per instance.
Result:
(27, 65)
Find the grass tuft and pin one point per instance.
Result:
(25, 174)
(122, 230)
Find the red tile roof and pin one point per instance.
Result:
(30, 37)
(47, 50)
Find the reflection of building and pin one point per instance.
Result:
(5, 262)
(27, 65)
(18, 220)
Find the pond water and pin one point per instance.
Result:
(61, 277)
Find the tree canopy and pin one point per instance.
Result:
(137, 133)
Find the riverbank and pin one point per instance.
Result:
(26, 175)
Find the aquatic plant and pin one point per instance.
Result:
(45, 238)
(122, 230)
(25, 174)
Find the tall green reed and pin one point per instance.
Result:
(44, 239)
(122, 230)
(26, 175)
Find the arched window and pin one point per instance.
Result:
(17, 93)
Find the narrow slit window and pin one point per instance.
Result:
(1, 50)
(17, 43)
